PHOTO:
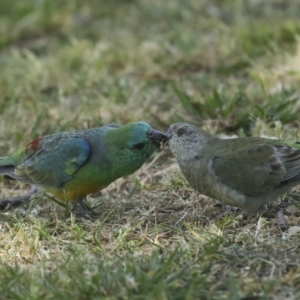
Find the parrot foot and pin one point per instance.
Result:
(14, 202)
(81, 209)
(97, 194)
(228, 208)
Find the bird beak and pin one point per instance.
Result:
(168, 134)
(156, 136)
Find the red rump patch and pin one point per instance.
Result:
(33, 144)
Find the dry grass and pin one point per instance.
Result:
(230, 67)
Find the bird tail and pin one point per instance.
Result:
(7, 166)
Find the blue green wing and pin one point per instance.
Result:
(54, 162)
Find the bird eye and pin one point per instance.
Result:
(181, 132)
(138, 146)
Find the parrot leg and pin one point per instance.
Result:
(13, 202)
(280, 219)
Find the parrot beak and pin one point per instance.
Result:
(156, 136)
(168, 134)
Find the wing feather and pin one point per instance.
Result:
(255, 170)
(54, 162)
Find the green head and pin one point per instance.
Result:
(131, 145)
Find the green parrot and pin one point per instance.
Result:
(244, 172)
(71, 165)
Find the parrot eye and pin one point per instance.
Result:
(181, 132)
(138, 146)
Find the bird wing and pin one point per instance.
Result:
(52, 161)
(291, 160)
(257, 169)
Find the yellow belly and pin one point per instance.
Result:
(72, 192)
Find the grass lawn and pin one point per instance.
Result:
(229, 66)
